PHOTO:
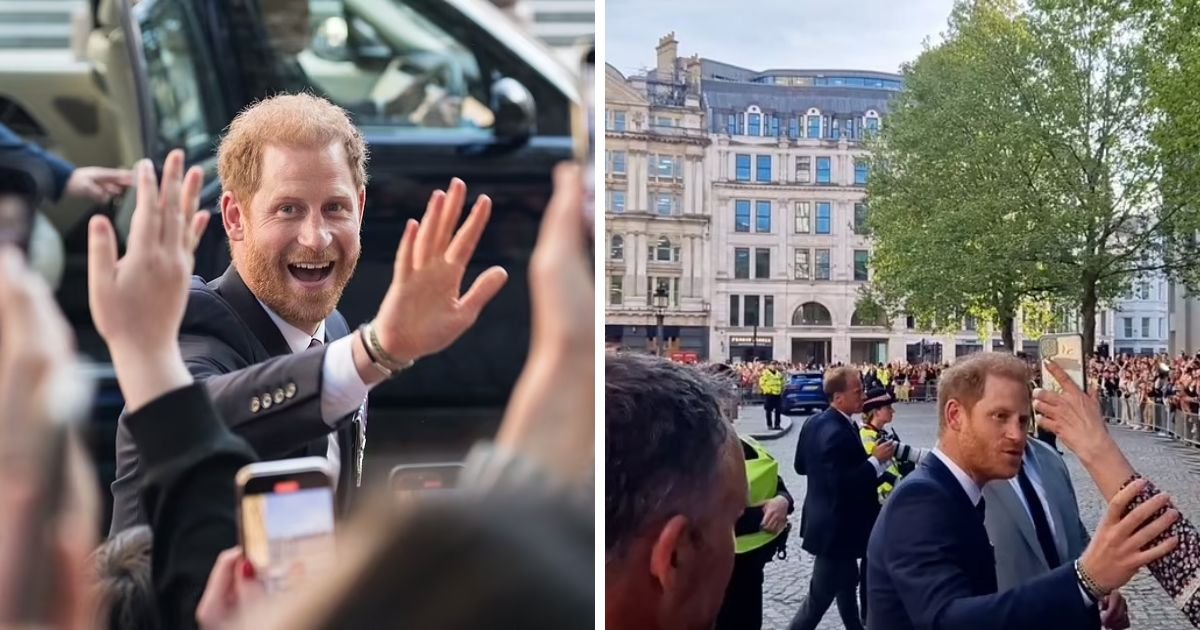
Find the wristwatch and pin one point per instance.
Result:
(380, 359)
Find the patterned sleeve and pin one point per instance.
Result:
(1179, 571)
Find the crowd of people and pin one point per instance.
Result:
(259, 366)
(891, 375)
(1143, 391)
(981, 531)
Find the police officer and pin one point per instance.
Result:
(877, 415)
(770, 383)
(760, 534)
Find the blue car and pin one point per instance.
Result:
(804, 392)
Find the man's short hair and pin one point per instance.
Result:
(965, 380)
(126, 587)
(664, 439)
(291, 120)
(838, 380)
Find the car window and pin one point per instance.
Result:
(182, 88)
(387, 65)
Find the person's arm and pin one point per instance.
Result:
(937, 594)
(190, 460)
(60, 169)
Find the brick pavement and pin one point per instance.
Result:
(1174, 468)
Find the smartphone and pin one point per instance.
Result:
(1067, 352)
(285, 517)
(409, 480)
(23, 185)
(583, 126)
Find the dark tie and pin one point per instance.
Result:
(981, 508)
(314, 343)
(1040, 523)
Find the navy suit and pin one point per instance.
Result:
(840, 506)
(931, 566)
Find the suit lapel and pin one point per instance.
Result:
(1006, 498)
(235, 292)
(1056, 495)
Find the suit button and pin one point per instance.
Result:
(289, 390)
(266, 401)
(254, 405)
(278, 396)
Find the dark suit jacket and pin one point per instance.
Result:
(190, 460)
(269, 396)
(840, 503)
(930, 566)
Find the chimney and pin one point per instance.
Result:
(693, 74)
(668, 51)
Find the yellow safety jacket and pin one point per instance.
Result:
(763, 474)
(885, 376)
(770, 383)
(869, 434)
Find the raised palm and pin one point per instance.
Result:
(423, 311)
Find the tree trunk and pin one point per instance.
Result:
(1088, 308)
(1007, 327)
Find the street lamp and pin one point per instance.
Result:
(660, 308)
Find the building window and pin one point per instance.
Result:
(741, 215)
(1128, 327)
(666, 167)
(762, 263)
(754, 125)
(910, 322)
(824, 217)
(793, 128)
(731, 124)
(1145, 327)
(769, 311)
(1161, 332)
(666, 205)
(803, 217)
(803, 170)
(803, 268)
(860, 218)
(762, 216)
(824, 170)
(763, 168)
(663, 251)
(741, 263)
(735, 308)
(822, 264)
(872, 125)
(618, 121)
(814, 126)
(811, 314)
(861, 256)
(617, 250)
(751, 314)
(1143, 290)
(618, 163)
(616, 290)
(774, 126)
(971, 323)
(742, 171)
(664, 121)
(617, 200)
(861, 169)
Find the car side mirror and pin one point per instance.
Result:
(515, 112)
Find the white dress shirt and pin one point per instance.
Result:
(342, 389)
(880, 467)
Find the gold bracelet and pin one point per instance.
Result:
(1093, 589)
(377, 353)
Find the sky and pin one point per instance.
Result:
(760, 34)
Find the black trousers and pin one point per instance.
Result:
(743, 605)
(832, 579)
(775, 403)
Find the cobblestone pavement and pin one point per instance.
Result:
(1174, 468)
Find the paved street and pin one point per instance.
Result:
(1176, 469)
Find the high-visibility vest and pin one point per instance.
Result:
(763, 474)
(869, 434)
(885, 376)
(771, 383)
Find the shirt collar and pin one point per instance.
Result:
(848, 418)
(968, 485)
(297, 339)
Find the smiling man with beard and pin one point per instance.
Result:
(280, 363)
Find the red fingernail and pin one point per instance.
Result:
(247, 570)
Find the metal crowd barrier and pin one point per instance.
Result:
(1136, 415)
